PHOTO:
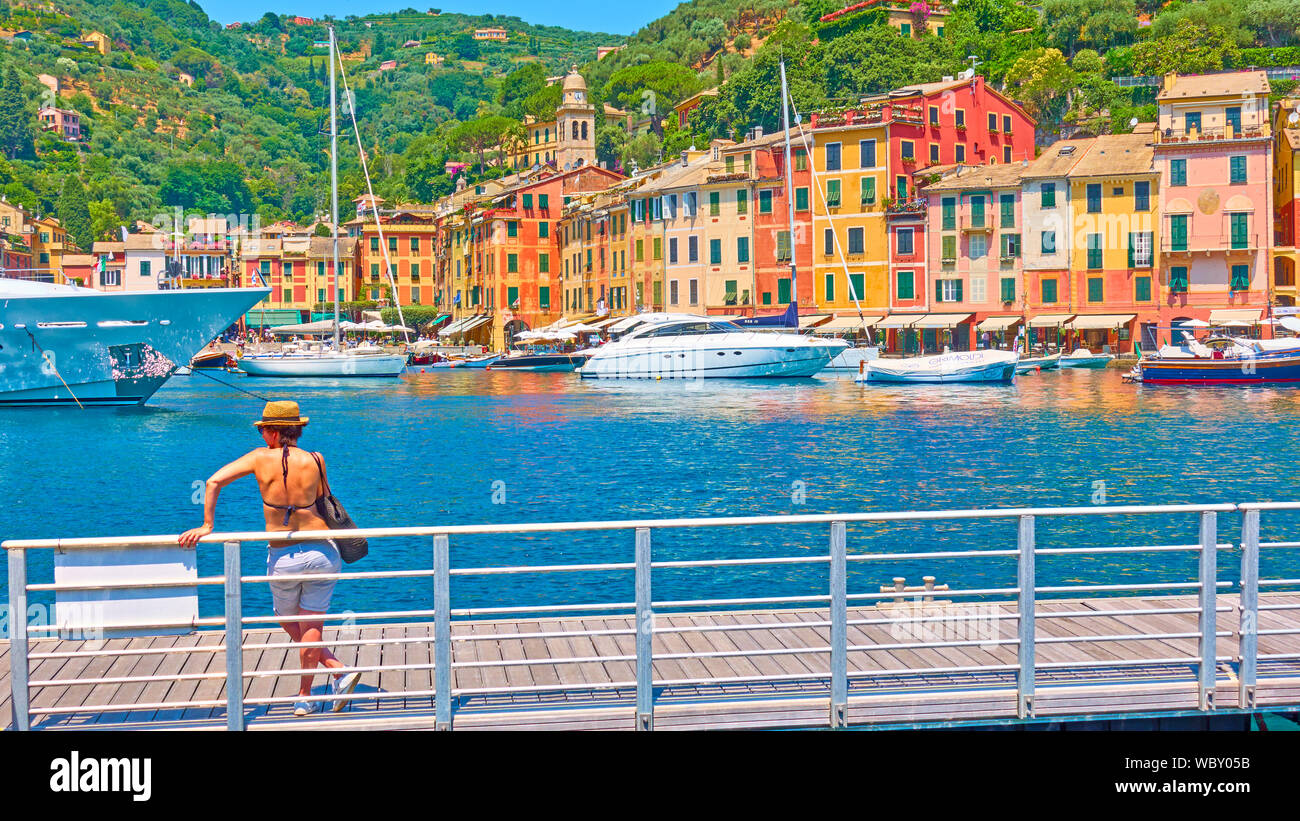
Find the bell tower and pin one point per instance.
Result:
(575, 120)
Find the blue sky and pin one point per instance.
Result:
(584, 15)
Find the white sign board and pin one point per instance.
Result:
(124, 611)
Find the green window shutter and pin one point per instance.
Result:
(1143, 289)
(742, 249)
(765, 201)
(320, 294)
(906, 285)
(512, 228)
(715, 252)
(977, 212)
(950, 248)
(949, 213)
(1178, 172)
(715, 203)
(833, 193)
(1238, 166)
(512, 296)
(543, 201)
(1094, 198)
(1131, 249)
(742, 201)
(640, 250)
(1008, 217)
(1239, 238)
(544, 263)
(938, 290)
(1240, 278)
(544, 296)
(374, 244)
(392, 245)
(543, 230)
(858, 282)
(1094, 251)
(1049, 195)
(783, 245)
(1178, 279)
(1049, 291)
(1178, 232)
(512, 263)
(1008, 289)
(830, 287)
(868, 190)
(1094, 289)
(783, 291)
(528, 201)
(658, 249)
(957, 297)
(801, 199)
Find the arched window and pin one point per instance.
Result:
(575, 129)
(584, 130)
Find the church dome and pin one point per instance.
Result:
(573, 81)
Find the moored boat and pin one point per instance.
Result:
(1084, 358)
(1039, 363)
(950, 366)
(1223, 360)
(695, 347)
(546, 361)
(212, 360)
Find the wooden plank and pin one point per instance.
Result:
(368, 655)
(392, 655)
(537, 649)
(420, 652)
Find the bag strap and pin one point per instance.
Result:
(324, 483)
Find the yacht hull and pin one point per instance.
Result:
(64, 346)
(968, 366)
(711, 363)
(1261, 370)
(339, 366)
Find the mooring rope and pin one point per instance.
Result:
(49, 358)
(228, 385)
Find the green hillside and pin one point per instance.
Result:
(246, 136)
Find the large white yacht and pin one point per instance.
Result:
(66, 345)
(683, 346)
(318, 359)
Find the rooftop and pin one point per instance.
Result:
(1116, 154)
(1223, 84)
(980, 176)
(1059, 158)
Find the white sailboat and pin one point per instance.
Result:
(319, 360)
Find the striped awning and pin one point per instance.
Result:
(1099, 322)
(998, 323)
(266, 318)
(1050, 320)
(899, 320)
(941, 320)
(812, 319)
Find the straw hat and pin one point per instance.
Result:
(282, 412)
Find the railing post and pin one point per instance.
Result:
(442, 631)
(1208, 602)
(1248, 615)
(18, 639)
(234, 639)
(839, 628)
(645, 632)
(1025, 652)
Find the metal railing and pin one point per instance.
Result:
(836, 596)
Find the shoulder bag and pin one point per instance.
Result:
(336, 518)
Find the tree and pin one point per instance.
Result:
(1191, 49)
(895, 61)
(667, 84)
(465, 47)
(480, 135)
(519, 85)
(1097, 24)
(1043, 81)
(1275, 21)
(1087, 61)
(74, 213)
(15, 117)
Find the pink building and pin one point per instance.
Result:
(974, 243)
(66, 123)
(1214, 152)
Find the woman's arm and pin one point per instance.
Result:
(241, 467)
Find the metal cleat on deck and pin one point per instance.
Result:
(927, 590)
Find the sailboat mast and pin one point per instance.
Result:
(334, 188)
(789, 183)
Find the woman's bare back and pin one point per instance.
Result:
(301, 489)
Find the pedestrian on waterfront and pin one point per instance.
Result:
(291, 482)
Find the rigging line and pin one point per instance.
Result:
(228, 385)
(49, 357)
(835, 237)
(365, 170)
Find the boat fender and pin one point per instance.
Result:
(862, 366)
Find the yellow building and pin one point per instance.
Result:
(98, 41)
(1286, 198)
(541, 140)
(850, 239)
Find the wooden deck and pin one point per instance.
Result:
(577, 698)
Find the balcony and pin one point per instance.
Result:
(1201, 136)
(914, 206)
(1221, 244)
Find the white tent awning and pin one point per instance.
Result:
(941, 320)
(1050, 320)
(1099, 322)
(812, 320)
(998, 323)
(899, 320)
(1224, 315)
(848, 323)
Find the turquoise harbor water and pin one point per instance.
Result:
(428, 449)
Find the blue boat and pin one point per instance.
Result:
(1224, 361)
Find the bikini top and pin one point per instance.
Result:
(289, 509)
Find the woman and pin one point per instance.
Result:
(291, 481)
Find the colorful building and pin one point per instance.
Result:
(65, 123)
(1214, 152)
(1286, 196)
